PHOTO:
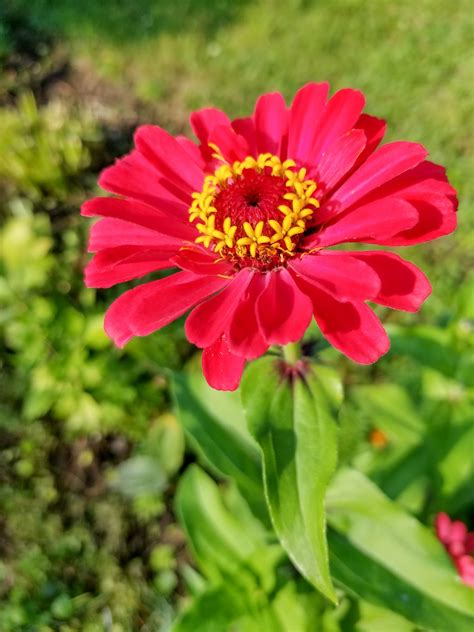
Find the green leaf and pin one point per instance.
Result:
(330, 383)
(140, 475)
(165, 442)
(437, 386)
(215, 425)
(389, 408)
(222, 609)
(224, 536)
(384, 555)
(457, 470)
(25, 245)
(299, 607)
(298, 439)
(430, 346)
(215, 610)
(403, 462)
(374, 619)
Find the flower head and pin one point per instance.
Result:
(459, 544)
(249, 216)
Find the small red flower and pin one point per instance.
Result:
(465, 566)
(249, 216)
(459, 544)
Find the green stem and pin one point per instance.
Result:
(292, 352)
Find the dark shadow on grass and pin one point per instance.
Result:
(122, 21)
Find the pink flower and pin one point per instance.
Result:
(465, 566)
(249, 216)
(459, 544)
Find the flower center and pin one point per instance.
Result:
(254, 211)
(252, 197)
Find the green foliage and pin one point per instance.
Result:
(62, 357)
(377, 549)
(297, 436)
(44, 151)
(426, 464)
(68, 547)
(375, 545)
(250, 584)
(215, 424)
(87, 454)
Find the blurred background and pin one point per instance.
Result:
(90, 449)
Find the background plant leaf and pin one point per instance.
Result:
(387, 557)
(215, 425)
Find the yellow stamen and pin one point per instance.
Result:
(254, 237)
(226, 236)
(256, 241)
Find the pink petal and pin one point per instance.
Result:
(386, 163)
(339, 274)
(232, 145)
(352, 328)
(206, 323)
(222, 369)
(110, 232)
(458, 531)
(168, 157)
(133, 176)
(304, 119)
(246, 128)
(428, 190)
(469, 543)
(338, 159)
(149, 307)
(141, 214)
(375, 222)
(199, 261)
(403, 285)
(244, 335)
(465, 566)
(283, 311)
(374, 129)
(426, 187)
(271, 123)
(443, 527)
(436, 218)
(203, 122)
(193, 150)
(456, 549)
(339, 117)
(117, 265)
(427, 178)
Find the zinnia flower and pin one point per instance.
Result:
(250, 216)
(453, 534)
